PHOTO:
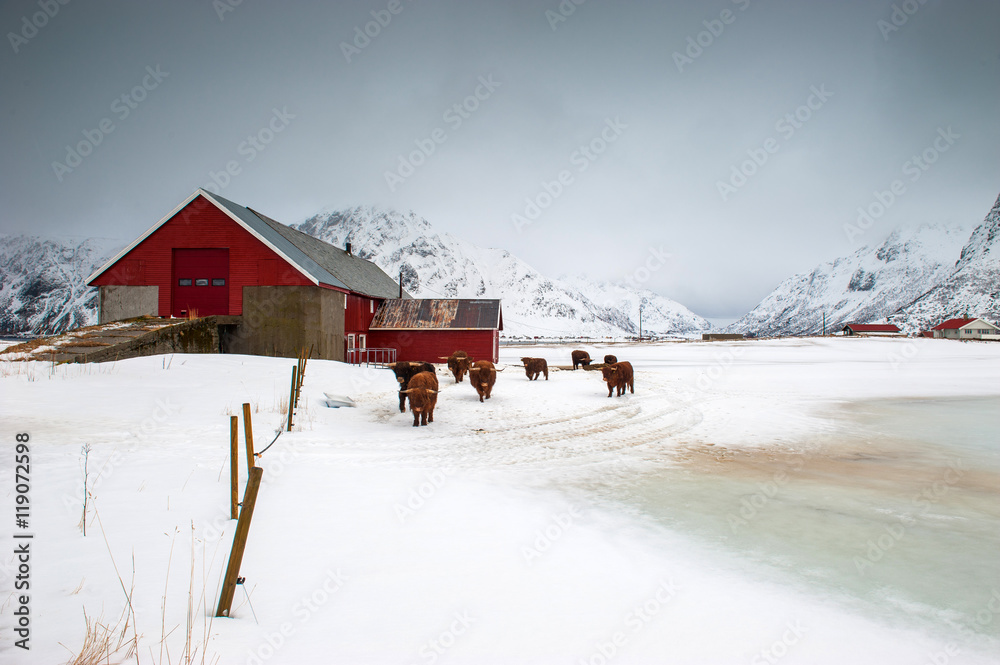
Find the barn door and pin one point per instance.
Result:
(200, 282)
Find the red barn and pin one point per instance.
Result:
(871, 329)
(432, 329)
(280, 290)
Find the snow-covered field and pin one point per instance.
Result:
(504, 531)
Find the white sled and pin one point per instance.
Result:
(337, 401)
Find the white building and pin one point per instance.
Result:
(966, 329)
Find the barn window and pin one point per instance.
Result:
(371, 306)
(184, 282)
(218, 282)
(201, 282)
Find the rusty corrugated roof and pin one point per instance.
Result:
(438, 314)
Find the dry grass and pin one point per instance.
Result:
(17, 368)
(27, 347)
(103, 642)
(82, 342)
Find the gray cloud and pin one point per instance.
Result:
(657, 184)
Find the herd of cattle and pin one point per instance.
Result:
(418, 380)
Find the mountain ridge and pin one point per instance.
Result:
(438, 265)
(43, 280)
(867, 286)
(972, 289)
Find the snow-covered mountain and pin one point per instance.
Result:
(867, 286)
(43, 289)
(438, 265)
(660, 315)
(973, 287)
(42, 282)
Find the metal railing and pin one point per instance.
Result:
(370, 356)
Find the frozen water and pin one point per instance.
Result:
(897, 511)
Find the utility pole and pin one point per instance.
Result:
(641, 302)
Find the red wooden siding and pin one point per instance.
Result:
(359, 314)
(201, 225)
(432, 345)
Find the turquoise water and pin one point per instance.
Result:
(898, 512)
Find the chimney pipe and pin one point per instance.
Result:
(400, 284)
(347, 248)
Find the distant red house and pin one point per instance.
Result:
(432, 329)
(277, 290)
(966, 329)
(871, 329)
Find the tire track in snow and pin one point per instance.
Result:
(627, 426)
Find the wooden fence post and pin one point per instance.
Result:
(298, 379)
(302, 374)
(234, 463)
(239, 543)
(302, 378)
(291, 400)
(248, 432)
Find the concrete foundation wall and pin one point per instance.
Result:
(196, 336)
(283, 320)
(127, 302)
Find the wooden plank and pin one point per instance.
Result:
(248, 431)
(234, 471)
(291, 400)
(239, 543)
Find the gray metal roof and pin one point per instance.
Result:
(322, 261)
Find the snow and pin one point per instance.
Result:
(476, 539)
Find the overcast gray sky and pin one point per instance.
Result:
(738, 136)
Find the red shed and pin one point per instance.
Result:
(432, 329)
(871, 329)
(211, 256)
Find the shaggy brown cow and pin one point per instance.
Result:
(581, 358)
(619, 376)
(535, 366)
(610, 360)
(422, 391)
(405, 371)
(482, 376)
(458, 364)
